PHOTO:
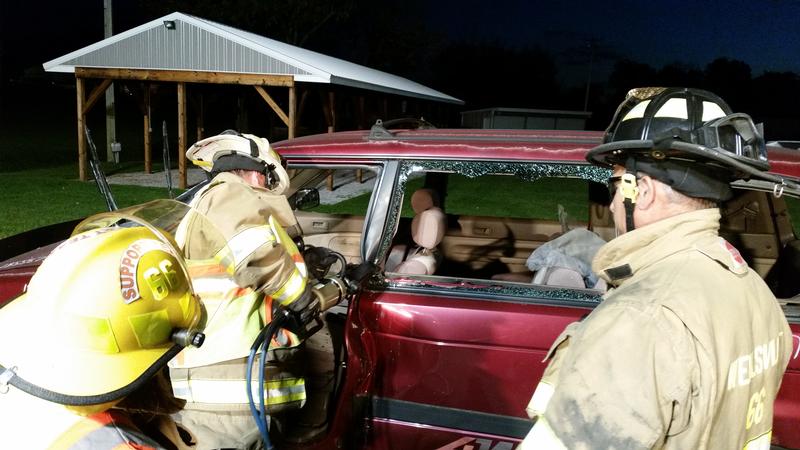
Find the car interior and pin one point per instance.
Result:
(450, 227)
(453, 226)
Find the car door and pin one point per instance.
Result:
(454, 357)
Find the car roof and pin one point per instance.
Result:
(473, 144)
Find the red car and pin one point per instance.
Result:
(443, 345)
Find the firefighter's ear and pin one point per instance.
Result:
(648, 190)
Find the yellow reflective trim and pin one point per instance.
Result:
(246, 242)
(711, 111)
(301, 266)
(760, 443)
(628, 187)
(211, 286)
(221, 264)
(541, 397)
(202, 164)
(276, 392)
(285, 383)
(291, 289)
(674, 107)
(225, 259)
(282, 237)
(151, 329)
(273, 400)
(637, 112)
(94, 332)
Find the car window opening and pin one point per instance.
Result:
(487, 226)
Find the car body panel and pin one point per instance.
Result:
(446, 362)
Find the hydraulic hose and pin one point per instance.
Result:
(261, 344)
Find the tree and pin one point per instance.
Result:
(731, 80)
(679, 74)
(488, 74)
(774, 102)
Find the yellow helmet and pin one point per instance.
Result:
(105, 311)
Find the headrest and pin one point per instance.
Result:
(424, 199)
(428, 227)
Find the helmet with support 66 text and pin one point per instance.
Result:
(106, 310)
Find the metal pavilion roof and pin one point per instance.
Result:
(196, 44)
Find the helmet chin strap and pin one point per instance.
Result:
(630, 191)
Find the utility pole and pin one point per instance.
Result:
(111, 126)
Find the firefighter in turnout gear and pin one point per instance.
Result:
(83, 352)
(688, 348)
(245, 201)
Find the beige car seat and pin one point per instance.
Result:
(427, 230)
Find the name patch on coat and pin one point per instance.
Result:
(737, 262)
(746, 367)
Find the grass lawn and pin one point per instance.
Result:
(44, 196)
(472, 197)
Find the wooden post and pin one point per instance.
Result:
(272, 104)
(329, 110)
(185, 76)
(148, 145)
(200, 118)
(79, 85)
(292, 110)
(84, 105)
(181, 135)
(96, 93)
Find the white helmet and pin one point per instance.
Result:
(231, 150)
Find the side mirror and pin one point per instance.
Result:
(306, 199)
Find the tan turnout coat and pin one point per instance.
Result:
(686, 351)
(211, 378)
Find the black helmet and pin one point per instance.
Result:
(686, 138)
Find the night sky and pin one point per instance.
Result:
(575, 41)
(763, 34)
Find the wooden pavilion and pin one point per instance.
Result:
(183, 49)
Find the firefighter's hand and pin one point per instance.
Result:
(319, 260)
(303, 315)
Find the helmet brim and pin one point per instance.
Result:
(35, 356)
(616, 153)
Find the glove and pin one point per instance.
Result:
(302, 315)
(319, 260)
